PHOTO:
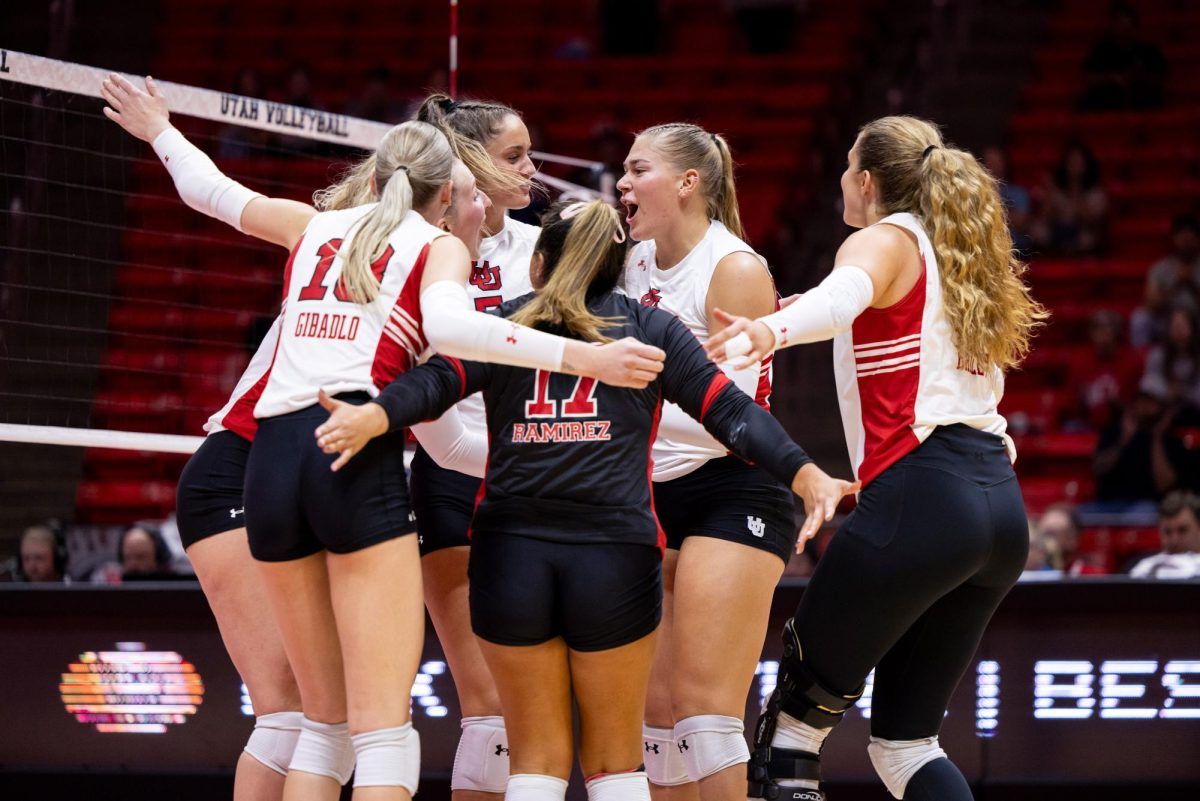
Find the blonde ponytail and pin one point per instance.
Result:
(412, 163)
(584, 252)
(690, 147)
(352, 189)
(991, 313)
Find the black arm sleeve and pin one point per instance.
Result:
(427, 391)
(691, 380)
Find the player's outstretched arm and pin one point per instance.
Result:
(201, 185)
(454, 328)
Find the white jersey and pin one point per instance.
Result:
(328, 341)
(898, 374)
(237, 415)
(501, 273)
(682, 444)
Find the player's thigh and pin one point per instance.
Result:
(447, 597)
(722, 602)
(378, 605)
(658, 697)
(610, 690)
(232, 584)
(298, 594)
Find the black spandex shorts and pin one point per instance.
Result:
(299, 507)
(444, 502)
(596, 596)
(209, 497)
(730, 500)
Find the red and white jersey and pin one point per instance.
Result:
(682, 444)
(237, 415)
(898, 374)
(328, 341)
(500, 273)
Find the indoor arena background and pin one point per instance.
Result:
(123, 311)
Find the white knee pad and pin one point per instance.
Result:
(535, 787)
(481, 761)
(324, 749)
(388, 758)
(897, 761)
(710, 743)
(630, 786)
(664, 763)
(274, 739)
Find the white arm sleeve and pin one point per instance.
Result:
(454, 328)
(451, 445)
(199, 183)
(825, 310)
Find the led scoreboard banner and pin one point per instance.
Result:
(1093, 682)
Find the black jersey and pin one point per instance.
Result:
(569, 457)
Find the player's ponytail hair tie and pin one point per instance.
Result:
(449, 105)
(402, 167)
(577, 208)
(925, 153)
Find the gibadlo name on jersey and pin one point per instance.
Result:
(573, 431)
(327, 325)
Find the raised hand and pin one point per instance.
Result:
(742, 338)
(143, 114)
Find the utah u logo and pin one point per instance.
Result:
(757, 527)
(652, 298)
(485, 277)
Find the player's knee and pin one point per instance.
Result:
(897, 761)
(710, 743)
(664, 762)
(324, 749)
(273, 740)
(481, 761)
(388, 758)
(801, 694)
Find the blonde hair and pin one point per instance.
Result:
(410, 166)
(991, 313)
(690, 147)
(579, 254)
(470, 125)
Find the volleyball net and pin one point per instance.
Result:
(126, 318)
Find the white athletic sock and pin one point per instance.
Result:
(630, 786)
(535, 787)
(799, 736)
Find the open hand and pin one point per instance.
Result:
(743, 338)
(143, 114)
(821, 494)
(349, 428)
(627, 362)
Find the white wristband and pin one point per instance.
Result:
(200, 184)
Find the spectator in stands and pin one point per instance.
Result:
(1045, 559)
(144, 554)
(1123, 464)
(1179, 529)
(1174, 280)
(238, 141)
(1016, 199)
(1122, 70)
(1074, 213)
(43, 555)
(1173, 368)
(1104, 377)
(377, 101)
(1060, 526)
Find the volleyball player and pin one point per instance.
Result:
(565, 577)
(927, 310)
(294, 536)
(730, 525)
(493, 141)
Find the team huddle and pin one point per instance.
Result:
(601, 500)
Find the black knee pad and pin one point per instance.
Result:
(799, 694)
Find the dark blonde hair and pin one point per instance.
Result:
(410, 166)
(470, 125)
(580, 254)
(992, 316)
(690, 147)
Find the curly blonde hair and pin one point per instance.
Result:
(991, 312)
